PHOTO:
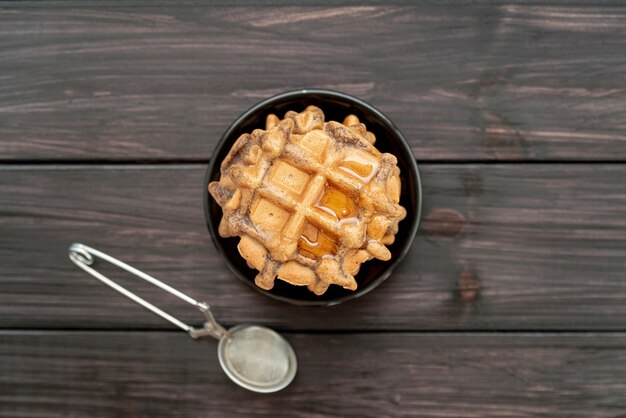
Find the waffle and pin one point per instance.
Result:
(310, 200)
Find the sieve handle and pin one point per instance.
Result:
(83, 257)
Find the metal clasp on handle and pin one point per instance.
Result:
(83, 257)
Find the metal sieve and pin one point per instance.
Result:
(254, 357)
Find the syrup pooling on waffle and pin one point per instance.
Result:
(311, 200)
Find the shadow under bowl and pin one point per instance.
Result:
(336, 106)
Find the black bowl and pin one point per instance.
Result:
(336, 106)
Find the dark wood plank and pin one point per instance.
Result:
(60, 374)
(281, 3)
(506, 82)
(501, 247)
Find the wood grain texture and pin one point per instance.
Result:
(497, 82)
(501, 247)
(280, 3)
(60, 374)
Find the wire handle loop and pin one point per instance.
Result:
(84, 257)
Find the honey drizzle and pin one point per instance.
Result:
(360, 167)
(316, 244)
(337, 204)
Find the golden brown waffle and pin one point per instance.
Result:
(311, 200)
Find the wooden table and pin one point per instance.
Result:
(510, 303)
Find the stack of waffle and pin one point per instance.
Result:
(311, 200)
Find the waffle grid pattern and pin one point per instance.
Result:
(270, 191)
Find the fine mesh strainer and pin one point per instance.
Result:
(256, 358)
